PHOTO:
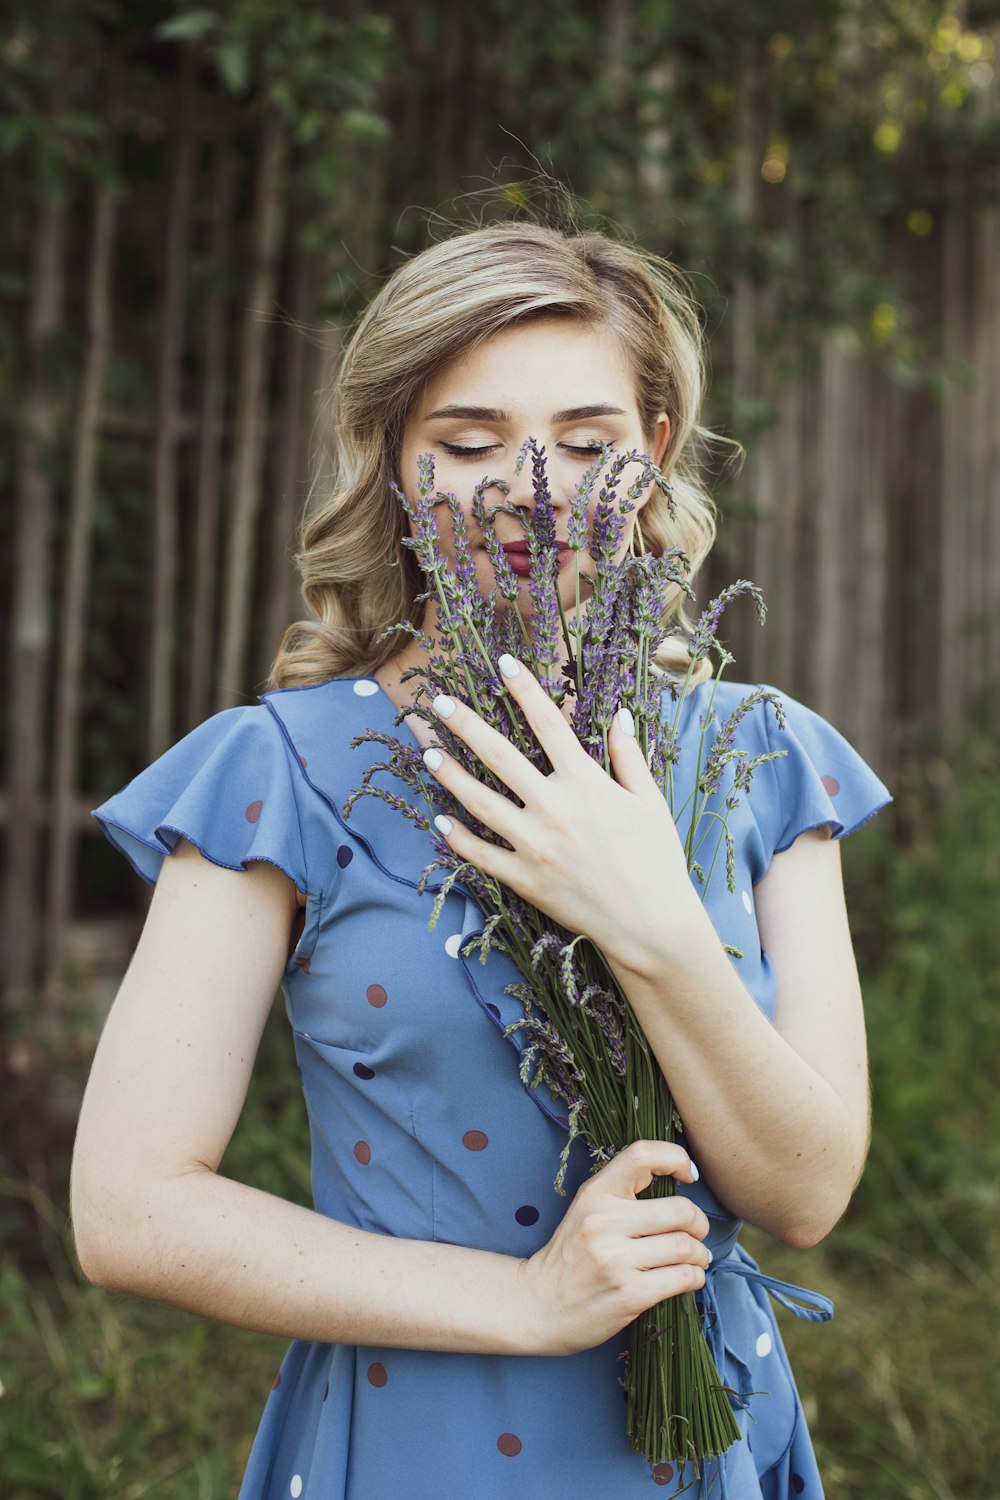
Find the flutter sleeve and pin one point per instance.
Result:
(229, 787)
(819, 780)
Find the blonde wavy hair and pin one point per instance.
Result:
(357, 578)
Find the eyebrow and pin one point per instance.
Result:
(491, 414)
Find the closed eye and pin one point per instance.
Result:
(456, 450)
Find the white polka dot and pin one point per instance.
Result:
(295, 1488)
(453, 945)
(763, 1345)
(747, 903)
(365, 687)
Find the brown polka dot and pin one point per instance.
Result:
(832, 784)
(377, 1375)
(475, 1140)
(277, 1381)
(663, 1473)
(362, 1153)
(509, 1445)
(303, 761)
(303, 964)
(254, 811)
(376, 996)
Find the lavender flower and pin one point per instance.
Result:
(580, 1036)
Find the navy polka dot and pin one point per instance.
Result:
(798, 1483)
(494, 1011)
(363, 1071)
(344, 856)
(527, 1215)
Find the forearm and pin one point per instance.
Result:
(780, 1146)
(223, 1250)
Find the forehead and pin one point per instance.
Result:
(548, 362)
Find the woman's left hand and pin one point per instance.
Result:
(600, 856)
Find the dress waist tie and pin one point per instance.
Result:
(812, 1307)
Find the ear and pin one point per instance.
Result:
(661, 438)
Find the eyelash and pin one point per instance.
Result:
(455, 450)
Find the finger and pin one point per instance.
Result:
(651, 1216)
(495, 751)
(632, 1170)
(628, 761)
(501, 864)
(655, 1250)
(551, 729)
(488, 806)
(662, 1282)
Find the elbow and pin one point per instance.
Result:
(805, 1224)
(103, 1235)
(805, 1234)
(97, 1244)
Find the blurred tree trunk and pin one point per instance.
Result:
(162, 640)
(299, 366)
(251, 413)
(73, 624)
(210, 468)
(30, 623)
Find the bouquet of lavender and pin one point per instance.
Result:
(581, 1037)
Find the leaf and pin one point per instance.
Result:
(233, 58)
(188, 27)
(362, 123)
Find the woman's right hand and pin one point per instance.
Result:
(614, 1254)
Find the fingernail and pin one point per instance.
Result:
(626, 723)
(695, 1174)
(708, 1252)
(508, 666)
(432, 759)
(442, 824)
(443, 706)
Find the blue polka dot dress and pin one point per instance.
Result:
(421, 1126)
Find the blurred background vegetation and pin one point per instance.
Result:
(198, 199)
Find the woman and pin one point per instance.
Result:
(457, 1325)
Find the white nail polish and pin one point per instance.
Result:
(432, 759)
(695, 1174)
(626, 723)
(442, 824)
(708, 1252)
(508, 666)
(443, 706)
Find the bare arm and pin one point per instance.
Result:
(153, 1217)
(777, 1115)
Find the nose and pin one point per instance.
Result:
(534, 480)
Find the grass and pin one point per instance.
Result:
(108, 1398)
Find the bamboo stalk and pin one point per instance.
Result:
(72, 634)
(30, 630)
(266, 237)
(289, 488)
(165, 519)
(212, 424)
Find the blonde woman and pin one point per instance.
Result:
(456, 1326)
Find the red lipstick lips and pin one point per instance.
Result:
(520, 559)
